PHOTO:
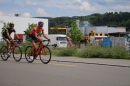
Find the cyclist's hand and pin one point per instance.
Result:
(11, 40)
(49, 40)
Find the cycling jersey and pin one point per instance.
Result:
(36, 30)
(7, 31)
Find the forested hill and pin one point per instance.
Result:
(111, 19)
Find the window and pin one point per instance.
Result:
(62, 38)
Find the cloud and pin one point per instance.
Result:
(2, 1)
(77, 0)
(1, 13)
(28, 2)
(86, 6)
(109, 1)
(41, 12)
(121, 7)
(26, 14)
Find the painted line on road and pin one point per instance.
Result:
(62, 64)
(57, 64)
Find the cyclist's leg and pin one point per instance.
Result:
(33, 46)
(39, 38)
(8, 42)
(32, 40)
(8, 45)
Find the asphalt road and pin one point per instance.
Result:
(65, 71)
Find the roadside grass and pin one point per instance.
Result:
(93, 52)
(88, 51)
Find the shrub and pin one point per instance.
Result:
(68, 51)
(24, 45)
(100, 52)
(119, 52)
(90, 52)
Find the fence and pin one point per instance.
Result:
(118, 41)
(115, 41)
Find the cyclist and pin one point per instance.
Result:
(6, 35)
(33, 35)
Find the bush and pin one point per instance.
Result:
(24, 45)
(93, 52)
(68, 51)
(90, 52)
(119, 53)
(100, 52)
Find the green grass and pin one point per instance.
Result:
(88, 51)
(93, 52)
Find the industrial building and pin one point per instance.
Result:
(21, 23)
(86, 28)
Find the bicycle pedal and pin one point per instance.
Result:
(34, 57)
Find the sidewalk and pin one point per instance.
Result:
(98, 61)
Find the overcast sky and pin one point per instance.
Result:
(58, 8)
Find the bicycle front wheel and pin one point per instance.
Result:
(28, 54)
(4, 53)
(45, 55)
(17, 53)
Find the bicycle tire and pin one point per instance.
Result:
(27, 54)
(45, 56)
(17, 53)
(4, 51)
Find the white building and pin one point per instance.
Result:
(21, 23)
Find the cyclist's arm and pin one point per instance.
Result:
(45, 35)
(9, 36)
(17, 37)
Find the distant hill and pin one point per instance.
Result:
(111, 19)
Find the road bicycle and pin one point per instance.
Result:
(14, 49)
(42, 50)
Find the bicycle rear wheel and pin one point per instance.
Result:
(28, 54)
(45, 55)
(4, 53)
(17, 53)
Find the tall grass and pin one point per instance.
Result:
(94, 52)
(68, 51)
(88, 51)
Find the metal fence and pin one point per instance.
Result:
(118, 41)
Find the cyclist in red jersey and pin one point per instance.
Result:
(33, 35)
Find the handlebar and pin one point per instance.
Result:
(14, 42)
(46, 43)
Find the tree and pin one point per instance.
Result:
(74, 33)
(4, 27)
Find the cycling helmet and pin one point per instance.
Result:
(40, 23)
(11, 24)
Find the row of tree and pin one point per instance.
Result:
(111, 19)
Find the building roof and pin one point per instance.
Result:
(120, 33)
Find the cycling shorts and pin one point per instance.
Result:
(32, 38)
(6, 38)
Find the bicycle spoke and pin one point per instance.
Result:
(17, 53)
(4, 53)
(45, 55)
(29, 55)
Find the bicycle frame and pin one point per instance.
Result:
(12, 46)
(39, 49)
